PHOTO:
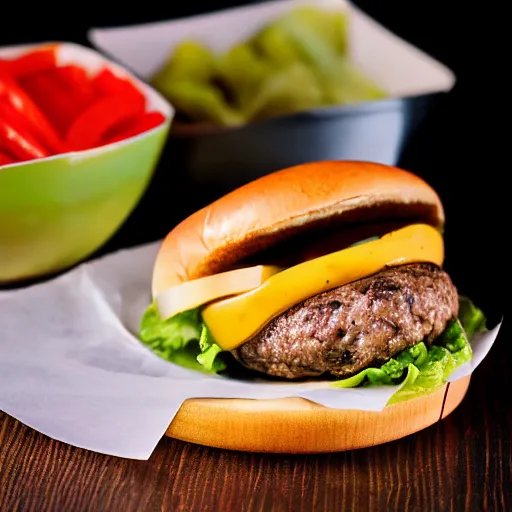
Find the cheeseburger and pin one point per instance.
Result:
(330, 270)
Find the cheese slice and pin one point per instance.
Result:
(237, 319)
(195, 293)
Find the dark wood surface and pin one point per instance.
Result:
(461, 463)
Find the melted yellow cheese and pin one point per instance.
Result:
(235, 320)
(195, 293)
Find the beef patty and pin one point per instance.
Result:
(361, 324)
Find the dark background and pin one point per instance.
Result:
(461, 463)
(456, 149)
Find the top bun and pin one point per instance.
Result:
(284, 203)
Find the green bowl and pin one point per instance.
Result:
(56, 211)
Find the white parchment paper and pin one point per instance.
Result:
(71, 365)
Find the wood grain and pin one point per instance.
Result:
(461, 463)
(295, 425)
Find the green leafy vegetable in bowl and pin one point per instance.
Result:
(297, 62)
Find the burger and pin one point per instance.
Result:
(328, 271)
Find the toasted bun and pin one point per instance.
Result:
(295, 425)
(279, 205)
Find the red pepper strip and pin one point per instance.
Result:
(16, 96)
(21, 146)
(11, 116)
(5, 159)
(133, 125)
(41, 59)
(142, 124)
(74, 82)
(106, 83)
(89, 128)
(58, 107)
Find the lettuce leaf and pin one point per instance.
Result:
(472, 319)
(423, 370)
(176, 340)
(185, 340)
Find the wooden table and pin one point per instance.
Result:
(462, 463)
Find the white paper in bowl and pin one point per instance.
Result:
(71, 365)
(396, 65)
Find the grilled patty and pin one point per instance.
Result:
(361, 324)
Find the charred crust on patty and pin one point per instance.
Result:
(362, 324)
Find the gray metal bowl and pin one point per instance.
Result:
(218, 160)
(214, 161)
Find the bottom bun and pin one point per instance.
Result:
(296, 425)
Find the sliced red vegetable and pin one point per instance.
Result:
(89, 128)
(5, 159)
(142, 124)
(40, 59)
(59, 108)
(15, 119)
(21, 101)
(107, 83)
(73, 81)
(21, 146)
(150, 119)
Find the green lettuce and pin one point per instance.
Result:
(421, 370)
(472, 319)
(185, 340)
(182, 339)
